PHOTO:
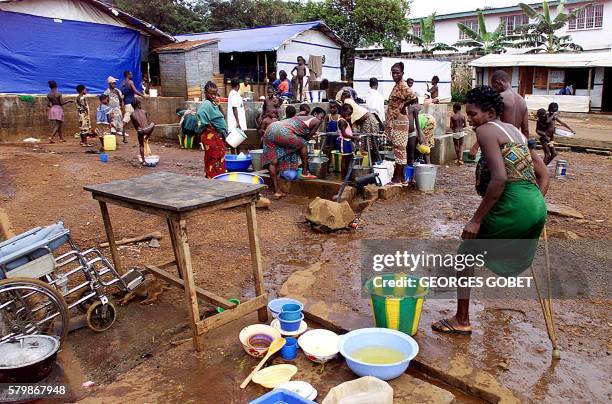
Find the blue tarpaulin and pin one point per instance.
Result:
(260, 39)
(34, 50)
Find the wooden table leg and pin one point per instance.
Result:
(174, 247)
(256, 259)
(183, 262)
(111, 237)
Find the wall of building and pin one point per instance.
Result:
(172, 72)
(315, 43)
(20, 119)
(590, 39)
(200, 65)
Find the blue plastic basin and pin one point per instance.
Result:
(232, 163)
(275, 306)
(376, 337)
(278, 396)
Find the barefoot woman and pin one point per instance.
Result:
(285, 140)
(512, 207)
(215, 130)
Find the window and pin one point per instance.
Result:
(472, 24)
(512, 21)
(416, 30)
(589, 18)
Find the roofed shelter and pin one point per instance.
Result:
(255, 52)
(72, 42)
(539, 77)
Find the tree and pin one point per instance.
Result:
(484, 42)
(427, 38)
(540, 35)
(362, 23)
(231, 14)
(171, 16)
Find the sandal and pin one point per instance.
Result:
(308, 176)
(444, 326)
(279, 195)
(125, 141)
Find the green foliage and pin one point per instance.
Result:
(427, 39)
(461, 81)
(484, 42)
(540, 35)
(230, 14)
(171, 16)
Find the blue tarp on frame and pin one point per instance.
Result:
(34, 50)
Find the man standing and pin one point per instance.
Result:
(375, 102)
(236, 115)
(245, 87)
(115, 102)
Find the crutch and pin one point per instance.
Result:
(545, 303)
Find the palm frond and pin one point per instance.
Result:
(531, 13)
(481, 24)
(546, 11)
(466, 43)
(469, 32)
(414, 39)
(439, 46)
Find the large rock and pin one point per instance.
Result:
(563, 210)
(332, 215)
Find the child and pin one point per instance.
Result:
(331, 128)
(415, 134)
(304, 109)
(56, 111)
(290, 112)
(189, 132)
(458, 123)
(271, 102)
(245, 87)
(83, 112)
(302, 75)
(545, 128)
(144, 129)
(104, 117)
(433, 90)
(271, 116)
(344, 143)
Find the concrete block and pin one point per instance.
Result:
(444, 149)
(387, 192)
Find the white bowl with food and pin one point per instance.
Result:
(320, 345)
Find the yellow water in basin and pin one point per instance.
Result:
(378, 355)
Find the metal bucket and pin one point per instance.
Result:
(387, 155)
(359, 171)
(318, 166)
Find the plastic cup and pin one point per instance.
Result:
(104, 157)
(289, 350)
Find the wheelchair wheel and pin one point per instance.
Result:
(101, 317)
(30, 306)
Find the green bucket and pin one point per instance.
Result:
(397, 307)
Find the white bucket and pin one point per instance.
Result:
(383, 173)
(425, 175)
(236, 137)
(316, 95)
(152, 92)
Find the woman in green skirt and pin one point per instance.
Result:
(512, 209)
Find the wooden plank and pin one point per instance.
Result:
(174, 247)
(202, 294)
(179, 229)
(256, 259)
(135, 206)
(110, 235)
(258, 303)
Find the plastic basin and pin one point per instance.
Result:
(288, 322)
(281, 396)
(246, 178)
(233, 163)
(276, 305)
(364, 337)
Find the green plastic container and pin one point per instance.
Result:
(397, 308)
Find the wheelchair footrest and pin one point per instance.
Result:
(133, 278)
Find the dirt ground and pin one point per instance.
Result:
(41, 184)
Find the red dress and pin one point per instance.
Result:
(214, 152)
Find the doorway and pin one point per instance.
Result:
(606, 100)
(526, 80)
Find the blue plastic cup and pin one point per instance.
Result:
(289, 350)
(292, 311)
(104, 157)
(289, 325)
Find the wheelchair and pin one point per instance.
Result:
(44, 275)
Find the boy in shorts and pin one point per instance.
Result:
(458, 123)
(144, 129)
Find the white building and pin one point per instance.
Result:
(592, 29)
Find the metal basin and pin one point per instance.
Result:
(318, 166)
(359, 171)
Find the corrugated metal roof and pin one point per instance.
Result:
(184, 46)
(261, 39)
(583, 59)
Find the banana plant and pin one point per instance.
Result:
(484, 42)
(540, 34)
(427, 40)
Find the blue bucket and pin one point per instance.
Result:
(104, 157)
(289, 350)
(287, 324)
(292, 311)
(408, 173)
(275, 306)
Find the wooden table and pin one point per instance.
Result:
(177, 197)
